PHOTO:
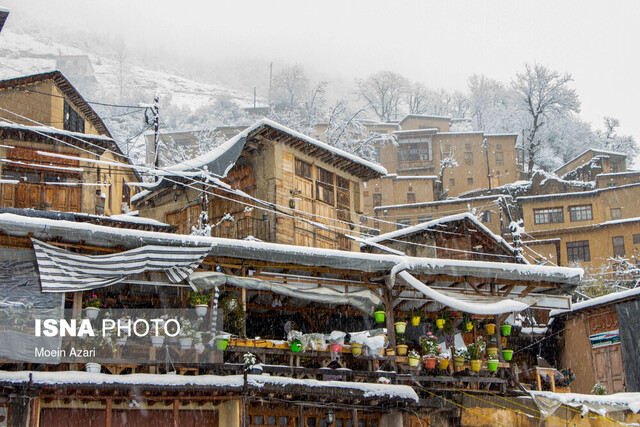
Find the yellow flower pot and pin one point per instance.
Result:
(356, 349)
(475, 365)
(415, 320)
(490, 328)
(402, 349)
(492, 351)
(440, 323)
(443, 364)
(390, 352)
(414, 361)
(401, 327)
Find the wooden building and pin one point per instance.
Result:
(599, 340)
(460, 236)
(276, 185)
(57, 154)
(592, 162)
(321, 290)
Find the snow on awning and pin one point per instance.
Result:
(364, 300)
(485, 305)
(64, 271)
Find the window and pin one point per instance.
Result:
(486, 216)
(468, 158)
(499, 158)
(72, 121)
(467, 146)
(469, 181)
(618, 246)
(614, 167)
(403, 223)
(412, 152)
(324, 186)
(499, 147)
(411, 197)
(580, 213)
(376, 155)
(452, 182)
(303, 169)
(548, 215)
(447, 150)
(377, 199)
(636, 239)
(578, 251)
(616, 213)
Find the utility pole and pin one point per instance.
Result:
(156, 128)
(485, 145)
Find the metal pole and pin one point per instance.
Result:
(156, 128)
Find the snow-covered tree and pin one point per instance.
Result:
(448, 161)
(544, 95)
(384, 92)
(417, 97)
(610, 140)
(290, 86)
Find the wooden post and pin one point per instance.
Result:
(388, 306)
(301, 422)
(354, 417)
(176, 409)
(243, 292)
(109, 413)
(76, 312)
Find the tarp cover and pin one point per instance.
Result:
(476, 304)
(64, 271)
(364, 300)
(629, 325)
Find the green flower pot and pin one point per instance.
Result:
(507, 354)
(379, 315)
(493, 365)
(222, 343)
(505, 330)
(296, 346)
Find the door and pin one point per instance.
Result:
(608, 368)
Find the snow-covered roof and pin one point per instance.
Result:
(579, 193)
(594, 403)
(605, 299)
(443, 202)
(411, 177)
(135, 219)
(414, 131)
(372, 169)
(79, 378)
(67, 89)
(435, 223)
(424, 116)
(102, 236)
(629, 172)
(593, 150)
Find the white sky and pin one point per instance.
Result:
(437, 42)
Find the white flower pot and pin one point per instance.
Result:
(201, 310)
(93, 368)
(91, 312)
(185, 343)
(157, 341)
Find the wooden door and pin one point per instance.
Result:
(8, 192)
(608, 368)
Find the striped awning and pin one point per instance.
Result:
(64, 271)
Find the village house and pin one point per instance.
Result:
(598, 339)
(415, 160)
(592, 162)
(593, 227)
(275, 185)
(56, 153)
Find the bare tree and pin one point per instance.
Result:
(383, 91)
(448, 161)
(610, 140)
(417, 98)
(290, 85)
(543, 94)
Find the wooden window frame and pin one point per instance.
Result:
(580, 213)
(578, 251)
(325, 191)
(618, 246)
(617, 215)
(72, 120)
(553, 215)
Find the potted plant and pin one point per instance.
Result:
(401, 346)
(443, 360)
(121, 340)
(378, 313)
(356, 348)
(489, 327)
(507, 354)
(430, 350)
(227, 220)
(296, 340)
(222, 341)
(251, 365)
(401, 326)
(505, 329)
(459, 356)
(187, 332)
(233, 312)
(92, 367)
(415, 318)
(248, 210)
(492, 363)
(414, 358)
(467, 323)
(492, 349)
(475, 351)
(92, 306)
(441, 320)
(200, 300)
